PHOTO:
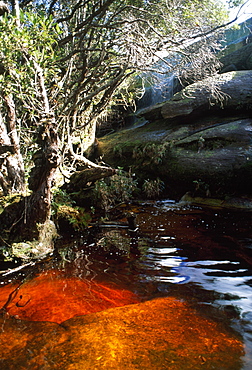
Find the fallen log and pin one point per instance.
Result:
(88, 176)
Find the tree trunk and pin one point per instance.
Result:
(12, 178)
(46, 161)
(21, 220)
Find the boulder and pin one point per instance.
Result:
(231, 90)
(209, 156)
(200, 141)
(238, 60)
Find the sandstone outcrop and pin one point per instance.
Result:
(197, 141)
(231, 90)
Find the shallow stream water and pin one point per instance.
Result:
(199, 256)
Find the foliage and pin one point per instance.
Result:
(20, 48)
(153, 188)
(60, 197)
(118, 188)
(63, 208)
(76, 216)
(89, 50)
(9, 199)
(235, 3)
(154, 152)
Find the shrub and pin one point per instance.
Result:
(116, 189)
(153, 188)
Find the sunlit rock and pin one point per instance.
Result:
(160, 334)
(231, 90)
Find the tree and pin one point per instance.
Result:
(23, 76)
(64, 64)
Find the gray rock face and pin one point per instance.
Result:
(200, 141)
(209, 157)
(232, 90)
(239, 59)
(215, 158)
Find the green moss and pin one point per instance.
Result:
(9, 199)
(35, 249)
(76, 216)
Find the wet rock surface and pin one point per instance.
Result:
(158, 334)
(51, 296)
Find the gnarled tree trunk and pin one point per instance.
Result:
(21, 220)
(11, 162)
(46, 161)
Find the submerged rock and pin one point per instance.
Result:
(53, 296)
(164, 333)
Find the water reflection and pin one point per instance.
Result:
(217, 276)
(207, 262)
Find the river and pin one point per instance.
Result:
(189, 265)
